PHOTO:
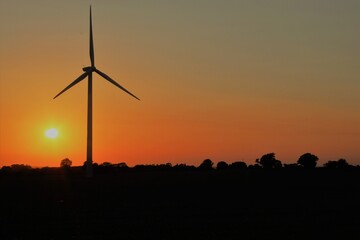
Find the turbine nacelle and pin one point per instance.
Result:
(88, 69)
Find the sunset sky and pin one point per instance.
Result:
(221, 79)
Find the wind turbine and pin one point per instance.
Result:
(88, 72)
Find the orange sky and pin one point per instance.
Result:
(225, 80)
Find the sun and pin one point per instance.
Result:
(51, 133)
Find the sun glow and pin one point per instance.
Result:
(51, 133)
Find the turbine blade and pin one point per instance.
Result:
(82, 76)
(115, 83)
(91, 43)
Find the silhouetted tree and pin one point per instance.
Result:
(65, 163)
(121, 165)
(339, 164)
(308, 160)
(94, 164)
(183, 167)
(238, 165)
(269, 161)
(166, 166)
(106, 164)
(6, 169)
(222, 165)
(255, 166)
(206, 165)
(20, 168)
(105, 167)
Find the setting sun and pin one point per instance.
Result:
(51, 133)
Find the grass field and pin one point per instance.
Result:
(247, 204)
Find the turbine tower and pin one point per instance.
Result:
(88, 72)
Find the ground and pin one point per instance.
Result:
(242, 204)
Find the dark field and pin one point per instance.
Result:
(247, 204)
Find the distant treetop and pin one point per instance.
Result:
(308, 160)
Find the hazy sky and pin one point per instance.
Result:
(225, 80)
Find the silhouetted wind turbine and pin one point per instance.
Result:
(88, 73)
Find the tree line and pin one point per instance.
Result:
(267, 161)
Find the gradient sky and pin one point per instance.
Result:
(226, 80)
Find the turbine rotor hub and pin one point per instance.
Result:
(88, 69)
